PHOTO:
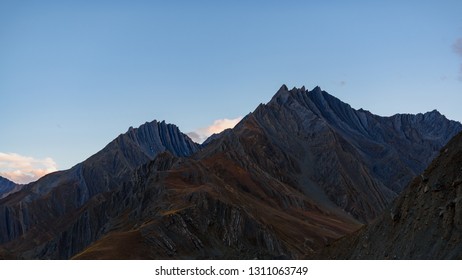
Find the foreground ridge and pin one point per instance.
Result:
(423, 223)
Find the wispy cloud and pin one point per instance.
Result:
(457, 47)
(201, 134)
(23, 169)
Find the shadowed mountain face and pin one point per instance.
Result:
(425, 222)
(359, 160)
(7, 187)
(296, 174)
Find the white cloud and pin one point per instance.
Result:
(23, 169)
(201, 134)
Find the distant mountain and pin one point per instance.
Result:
(7, 187)
(423, 223)
(57, 198)
(294, 175)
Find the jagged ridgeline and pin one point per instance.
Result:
(298, 173)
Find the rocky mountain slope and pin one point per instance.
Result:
(7, 187)
(357, 160)
(425, 222)
(294, 175)
(291, 160)
(40, 207)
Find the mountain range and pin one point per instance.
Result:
(292, 177)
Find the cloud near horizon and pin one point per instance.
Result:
(23, 169)
(201, 134)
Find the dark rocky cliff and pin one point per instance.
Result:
(425, 222)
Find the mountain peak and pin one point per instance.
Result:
(283, 88)
(434, 112)
(154, 137)
(281, 95)
(317, 89)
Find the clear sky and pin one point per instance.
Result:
(75, 74)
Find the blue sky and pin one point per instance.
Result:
(75, 74)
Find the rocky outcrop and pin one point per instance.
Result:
(156, 137)
(425, 221)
